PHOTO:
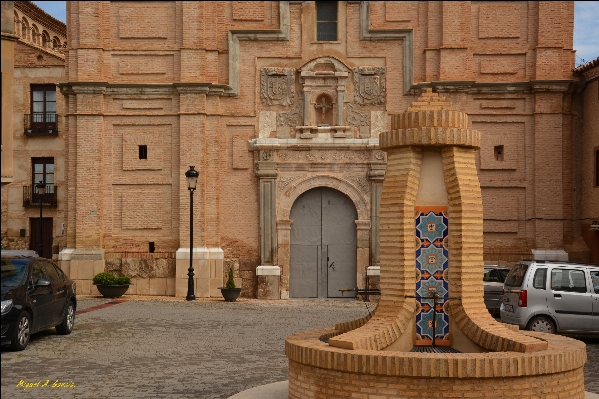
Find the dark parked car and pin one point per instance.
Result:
(36, 295)
(493, 280)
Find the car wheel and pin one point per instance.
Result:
(22, 333)
(68, 321)
(541, 324)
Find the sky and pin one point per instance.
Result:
(586, 28)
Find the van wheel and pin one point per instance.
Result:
(541, 324)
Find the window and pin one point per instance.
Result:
(539, 280)
(51, 272)
(491, 275)
(43, 171)
(143, 152)
(498, 150)
(37, 273)
(515, 277)
(595, 280)
(326, 21)
(43, 110)
(568, 280)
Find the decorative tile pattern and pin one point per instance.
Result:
(431, 272)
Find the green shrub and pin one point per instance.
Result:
(230, 280)
(105, 278)
(123, 280)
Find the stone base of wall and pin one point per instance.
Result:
(268, 278)
(208, 272)
(317, 370)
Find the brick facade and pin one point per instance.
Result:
(39, 59)
(191, 81)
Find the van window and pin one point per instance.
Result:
(568, 280)
(540, 278)
(516, 275)
(595, 280)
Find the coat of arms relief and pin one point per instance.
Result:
(277, 86)
(369, 85)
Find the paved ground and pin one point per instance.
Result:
(177, 349)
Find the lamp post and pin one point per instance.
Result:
(192, 179)
(41, 190)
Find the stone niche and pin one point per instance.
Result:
(323, 84)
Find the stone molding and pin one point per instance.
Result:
(281, 34)
(268, 271)
(405, 35)
(291, 194)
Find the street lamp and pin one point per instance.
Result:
(41, 190)
(192, 180)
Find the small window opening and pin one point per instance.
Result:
(143, 152)
(152, 248)
(498, 153)
(326, 21)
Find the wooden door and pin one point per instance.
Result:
(47, 236)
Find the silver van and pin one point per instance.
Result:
(552, 296)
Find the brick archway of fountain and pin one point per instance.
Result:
(370, 357)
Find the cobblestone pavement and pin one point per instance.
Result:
(178, 349)
(168, 348)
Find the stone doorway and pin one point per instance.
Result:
(323, 244)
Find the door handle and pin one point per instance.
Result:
(557, 295)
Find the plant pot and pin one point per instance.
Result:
(230, 294)
(112, 291)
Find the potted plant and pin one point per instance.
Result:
(229, 291)
(111, 286)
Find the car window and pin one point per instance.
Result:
(37, 272)
(58, 270)
(503, 273)
(568, 280)
(540, 279)
(13, 271)
(595, 280)
(516, 275)
(491, 275)
(51, 272)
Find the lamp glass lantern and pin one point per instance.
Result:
(41, 188)
(192, 178)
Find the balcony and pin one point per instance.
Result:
(32, 199)
(40, 124)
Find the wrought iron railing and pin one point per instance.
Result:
(32, 198)
(40, 123)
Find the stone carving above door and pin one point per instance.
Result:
(369, 85)
(277, 86)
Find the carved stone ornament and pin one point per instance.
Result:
(357, 118)
(267, 155)
(285, 181)
(360, 181)
(277, 86)
(369, 85)
(292, 118)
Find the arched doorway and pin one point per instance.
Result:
(322, 244)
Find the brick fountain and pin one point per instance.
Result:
(431, 242)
